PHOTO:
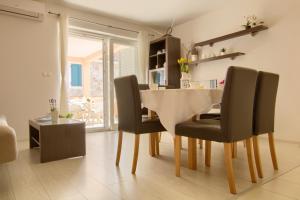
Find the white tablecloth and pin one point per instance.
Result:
(177, 105)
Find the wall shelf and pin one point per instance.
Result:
(253, 31)
(229, 55)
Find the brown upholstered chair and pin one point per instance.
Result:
(264, 112)
(130, 115)
(235, 123)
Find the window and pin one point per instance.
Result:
(76, 75)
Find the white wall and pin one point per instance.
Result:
(27, 49)
(275, 50)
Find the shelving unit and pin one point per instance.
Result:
(163, 67)
(253, 31)
(230, 55)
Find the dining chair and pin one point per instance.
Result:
(264, 112)
(130, 117)
(235, 124)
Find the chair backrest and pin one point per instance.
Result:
(128, 103)
(264, 104)
(237, 104)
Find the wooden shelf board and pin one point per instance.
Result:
(157, 55)
(251, 31)
(230, 55)
(157, 69)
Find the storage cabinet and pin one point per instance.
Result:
(163, 67)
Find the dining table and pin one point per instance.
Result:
(174, 106)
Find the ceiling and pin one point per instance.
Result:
(154, 13)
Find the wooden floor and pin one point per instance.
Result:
(96, 177)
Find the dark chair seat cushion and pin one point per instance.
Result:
(151, 125)
(206, 129)
(211, 116)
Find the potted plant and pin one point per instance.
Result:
(251, 21)
(184, 69)
(53, 110)
(222, 51)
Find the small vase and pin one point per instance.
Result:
(54, 116)
(185, 80)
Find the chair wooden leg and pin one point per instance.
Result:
(192, 153)
(272, 150)
(152, 144)
(234, 149)
(257, 157)
(177, 152)
(250, 160)
(119, 147)
(157, 144)
(229, 168)
(136, 153)
(200, 143)
(207, 153)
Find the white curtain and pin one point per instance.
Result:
(63, 29)
(143, 55)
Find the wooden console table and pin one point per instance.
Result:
(64, 139)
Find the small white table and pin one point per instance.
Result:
(178, 105)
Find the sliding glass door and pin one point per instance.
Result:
(86, 80)
(94, 61)
(123, 61)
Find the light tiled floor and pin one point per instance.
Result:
(96, 177)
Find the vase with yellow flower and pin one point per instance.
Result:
(185, 76)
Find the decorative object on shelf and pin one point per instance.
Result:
(222, 51)
(196, 85)
(169, 29)
(251, 21)
(194, 54)
(204, 56)
(185, 76)
(185, 80)
(54, 111)
(212, 55)
(221, 84)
